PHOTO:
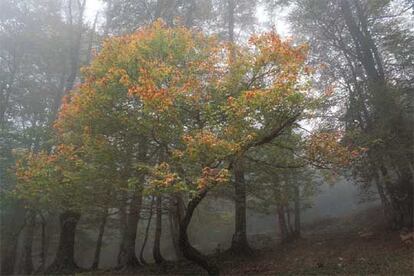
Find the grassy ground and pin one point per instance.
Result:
(355, 245)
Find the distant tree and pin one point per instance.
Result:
(35, 72)
(126, 16)
(366, 46)
(280, 176)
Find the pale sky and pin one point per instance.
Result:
(92, 7)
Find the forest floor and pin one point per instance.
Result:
(358, 244)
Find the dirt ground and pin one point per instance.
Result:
(358, 244)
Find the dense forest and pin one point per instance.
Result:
(168, 136)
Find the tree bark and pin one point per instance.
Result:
(364, 49)
(43, 252)
(284, 233)
(158, 229)
(401, 199)
(65, 257)
(176, 211)
(188, 250)
(239, 243)
(95, 263)
(386, 205)
(12, 223)
(123, 223)
(297, 211)
(144, 243)
(127, 256)
(290, 228)
(27, 267)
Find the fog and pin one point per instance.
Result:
(235, 125)
(212, 226)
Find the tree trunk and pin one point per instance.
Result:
(386, 205)
(8, 257)
(189, 17)
(284, 233)
(123, 223)
(158, 228)
(43, 253)
(27, 267)
(91, 38)
(239, 243)
(95, 263)
(188, 250)
(11, 225)
(176, 211)
(364, 50)
(290, 228)
(231, 8)
(297, 211)
(75, 36)
(127, 257)
(65, 257)
(144, 243)
(401, 199)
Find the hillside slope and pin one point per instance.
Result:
(358, 244)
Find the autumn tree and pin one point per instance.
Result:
(174, 89)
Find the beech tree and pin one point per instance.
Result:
(184, 98)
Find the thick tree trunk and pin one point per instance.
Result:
(27, 267)
(401, 199)
(239, 243)
(386, 205)
(158, 229)
(95, 263)
(144, 243)
(127, 257)
(65, 257)
(188, 250)
(297, 212)
(284, 232)
(364, 50)
(8, 257)
(176, 211)
(11, 225)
